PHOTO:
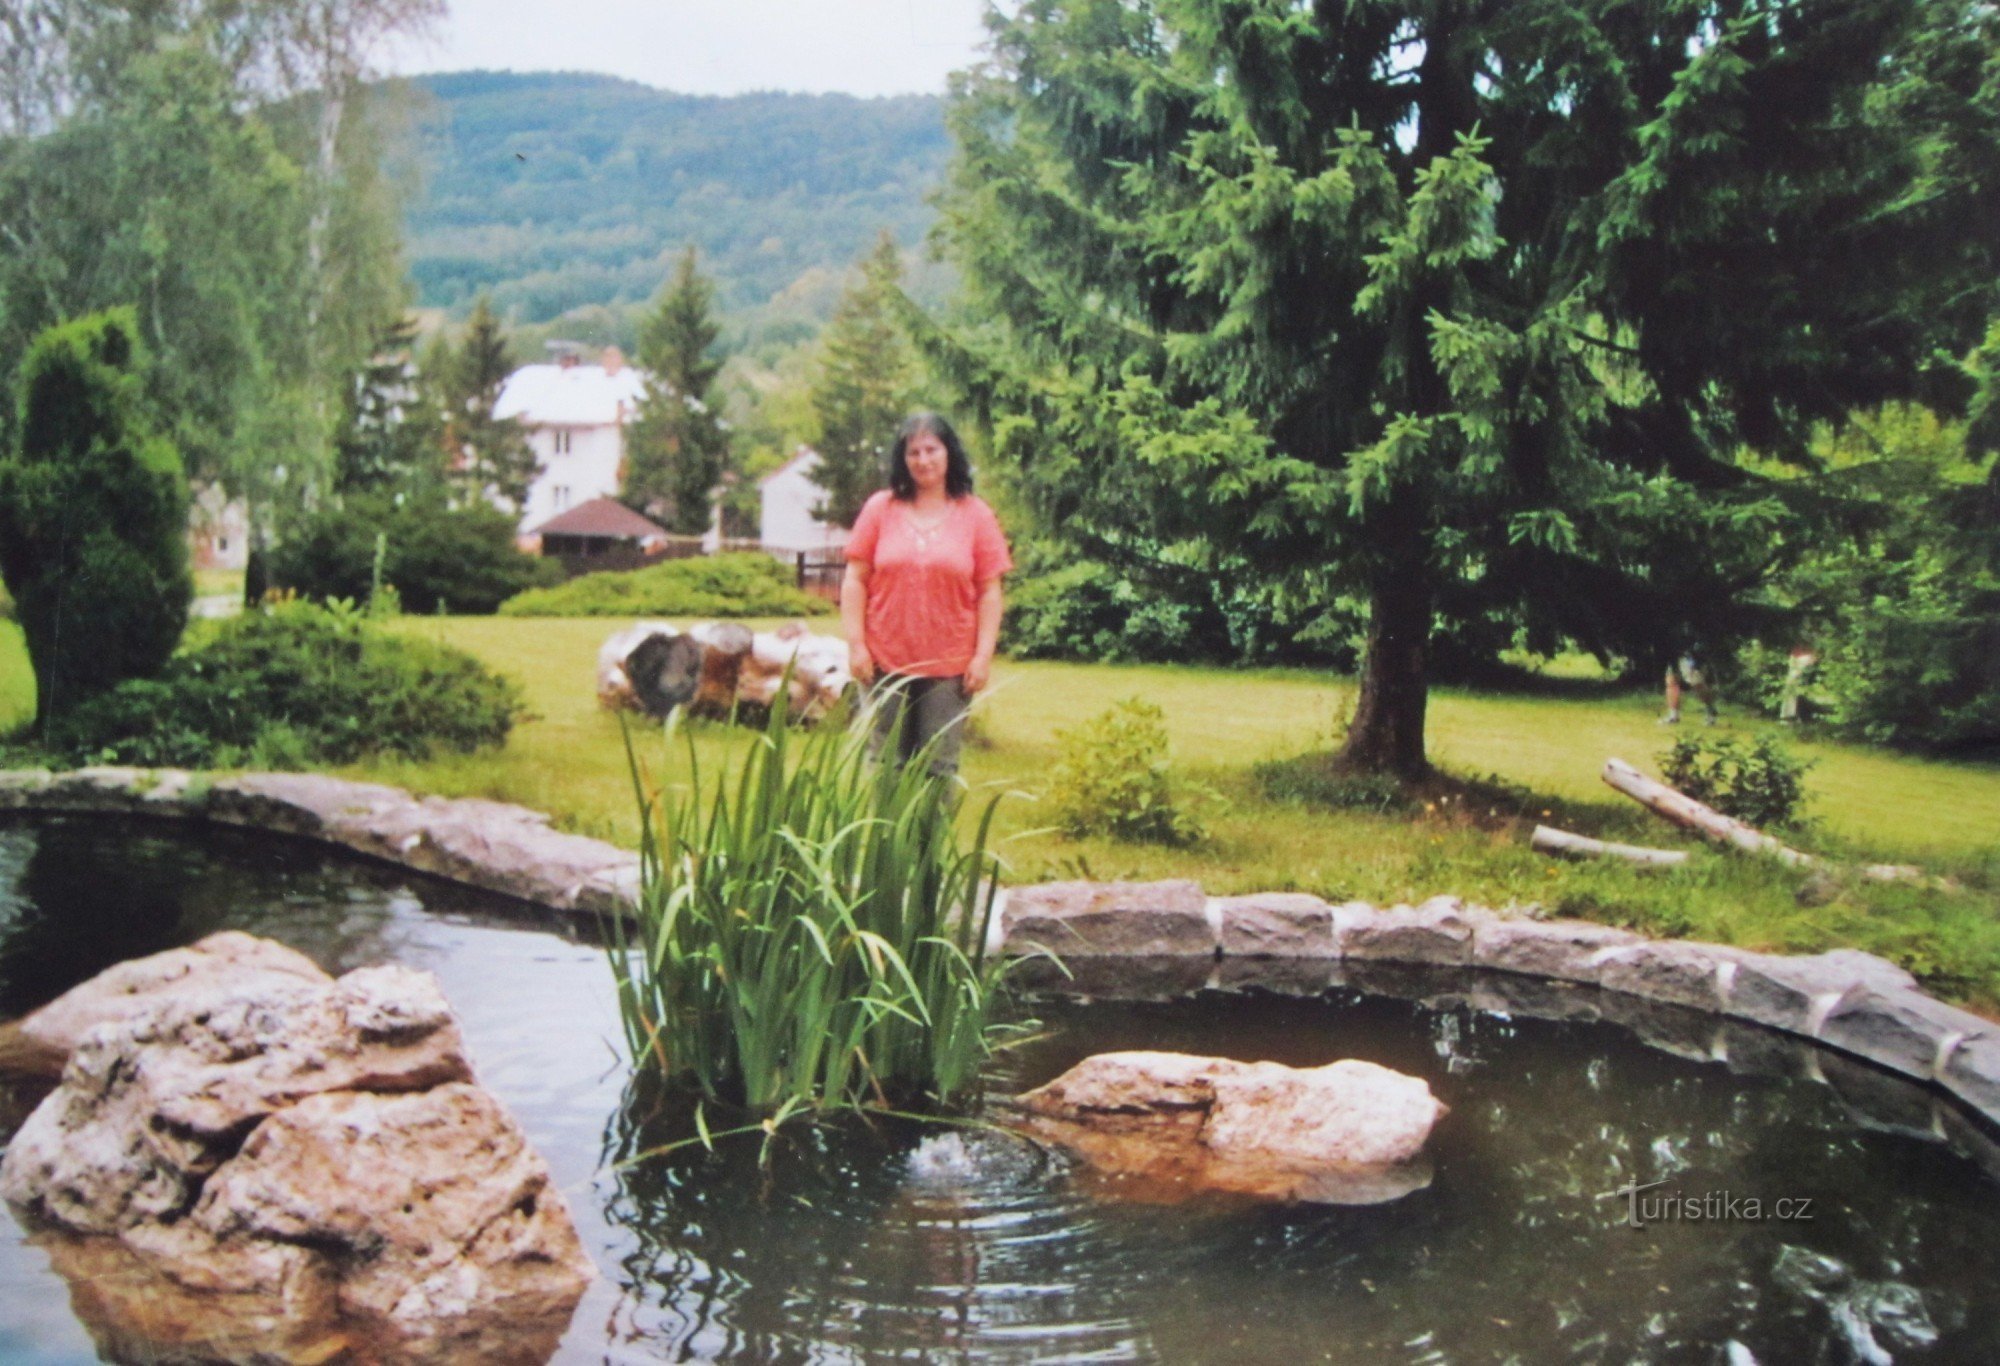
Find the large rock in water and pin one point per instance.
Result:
(295, 1171)
(42, 1042)
(1163, 1126)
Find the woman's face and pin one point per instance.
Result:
(927, 461)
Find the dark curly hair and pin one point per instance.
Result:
(957, 470)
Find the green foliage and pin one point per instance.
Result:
(811, 935)
(554, 192)
(437, 558)
(1899, 594)
(864, 387)
(677, 445)
(93, 516)
(1458, 314)
(1112, 777)
(487, 453)
(737, 585)
(1759, 781)
(297, 685)
(1061, 607)
(391, 436)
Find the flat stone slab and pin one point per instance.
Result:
(1796, 993)
(1679, 972)
(1276, 925)
(1903, 1030)
(1085, 919)
(1439, 931)
(1567, 950)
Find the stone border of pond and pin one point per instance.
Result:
(1168, 938)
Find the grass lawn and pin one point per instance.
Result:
(1545, 751)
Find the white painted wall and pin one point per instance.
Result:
(578, 464)
(789, 497)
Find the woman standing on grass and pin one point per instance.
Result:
(921, 604)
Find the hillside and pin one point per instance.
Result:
(560, 191)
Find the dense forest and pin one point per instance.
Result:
(562, 191)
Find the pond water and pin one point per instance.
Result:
(847, 1249)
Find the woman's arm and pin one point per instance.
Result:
(854, 621)
(980, 670)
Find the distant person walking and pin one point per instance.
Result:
(921, 601)
(1688, 672)
(1799, 666)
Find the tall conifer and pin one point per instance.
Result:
(678, 446)
(863, 386)
(1442, 306)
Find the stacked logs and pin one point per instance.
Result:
(712, 668)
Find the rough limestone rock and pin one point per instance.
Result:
(1168, 1125)
(1564, 949)
(295, 1170)
(1078, 919)
(1439, 931)
(42, 1042)
(1277, 925)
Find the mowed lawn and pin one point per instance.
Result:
(1545, 752)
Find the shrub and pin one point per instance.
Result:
(739, 585)
(1761, 782)
(93, 516)
(1113, 778)
(810, 933)
(437, 558)
(293, 686)
(1063, 607)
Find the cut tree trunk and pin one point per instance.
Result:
(1705, 821)
(1387, 733)
(1711, 824)
(1550, 840)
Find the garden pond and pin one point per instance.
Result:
(1803, 1214)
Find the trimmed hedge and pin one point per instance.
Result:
(294, 686)
(738, 585)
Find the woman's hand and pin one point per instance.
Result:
(860, 664)
(977, 674)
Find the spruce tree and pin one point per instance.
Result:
(677, 446)
(490, 455)
(1445, 306)
(93, 516)
(392, 431)
(863, 386)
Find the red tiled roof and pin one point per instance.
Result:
(601, 517)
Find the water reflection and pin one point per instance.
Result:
(861, 1243)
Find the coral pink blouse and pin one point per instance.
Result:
(922, 617)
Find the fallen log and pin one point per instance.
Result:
(1711, 824)
(1549, 840)
(1705, 821)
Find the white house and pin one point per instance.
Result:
(575, 416)
(788, 507)
(218, 529)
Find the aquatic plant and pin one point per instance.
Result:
(810, 933)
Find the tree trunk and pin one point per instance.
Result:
(1387, 734)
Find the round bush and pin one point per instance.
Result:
(293, 686)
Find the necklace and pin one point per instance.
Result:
(925, 530)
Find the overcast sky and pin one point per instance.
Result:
(712, 47)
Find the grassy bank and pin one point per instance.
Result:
(1543, 751)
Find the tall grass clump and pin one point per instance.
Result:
(810, 933)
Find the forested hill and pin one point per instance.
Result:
(560, 190)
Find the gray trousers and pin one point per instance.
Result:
(926, 707)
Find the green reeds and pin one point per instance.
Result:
(810, 934)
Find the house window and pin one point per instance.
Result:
(562, 441)
(561, 497)
(221, 544)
